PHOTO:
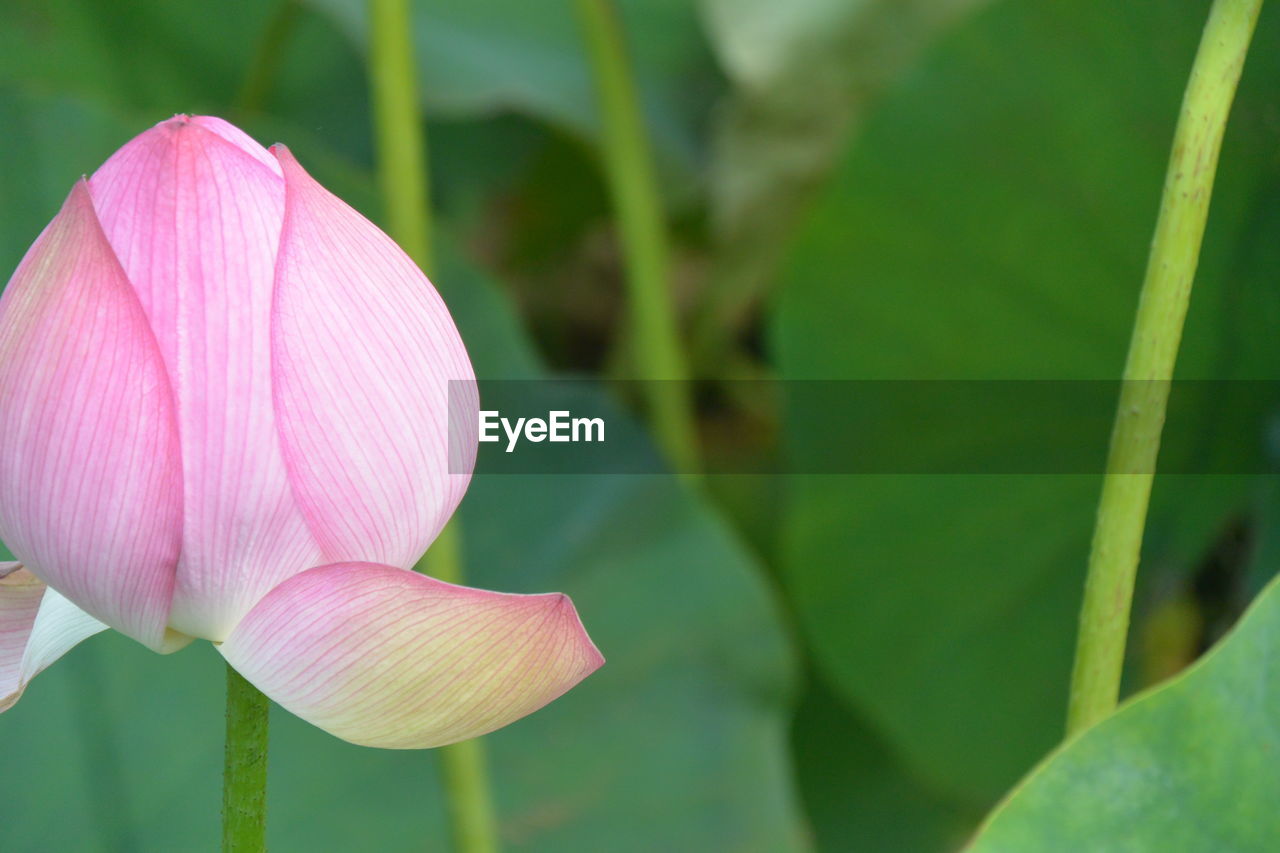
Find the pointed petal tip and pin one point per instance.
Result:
(166, 128)
(294, 173)
(285, 161)
(79, 200)
(592, 658)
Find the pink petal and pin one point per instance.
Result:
(37, 626)
(383, 657)
(194, 212)
(364, 351)
(238, 138)
(90, 483)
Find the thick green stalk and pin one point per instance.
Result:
(628, 166)
(1153, 349)
(244, 780)
(402, 177)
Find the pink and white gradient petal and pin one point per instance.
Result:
(364, 352)
(383, 657)
(90, 476)
(37, 626)
(193, 208)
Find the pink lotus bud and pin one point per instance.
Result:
(224, 414)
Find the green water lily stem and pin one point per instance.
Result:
(401, 145)
(244, 780)
(628, 165)
(1153, 350)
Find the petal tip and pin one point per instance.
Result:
(80, 199)
(7, 702)
(282, 153)
(592, 658)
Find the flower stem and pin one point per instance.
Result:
(1153, 349)
(244, 781)
(471, 819)
(399, 135)
(472, 823)
(401, 143)
(628, 166)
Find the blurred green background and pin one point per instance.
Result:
(861, 189)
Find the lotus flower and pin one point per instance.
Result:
(224, 415)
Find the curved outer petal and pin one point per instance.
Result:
(364, 351)
(90, 481)
(37, 626)
(194, 209)
(383, 657)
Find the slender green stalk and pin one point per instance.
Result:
(244, 781)
(266, 58)
(628, 165)
(402, 177)
(399, 136)
(1153, 349)
(471, 819)
(472, 822)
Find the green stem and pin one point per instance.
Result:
(244, 781)
(399, 135)
(471, 819)
(444, 559)
(472, 823)
(628, 166)
(401, 143)
(1153, 349)
(266, 58)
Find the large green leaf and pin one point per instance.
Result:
(485, 56)
(1189, 766)
(678, 743)
(992, 222)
